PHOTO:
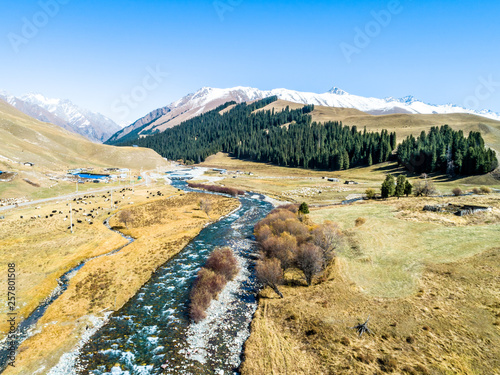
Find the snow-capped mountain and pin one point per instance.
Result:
(208, 98)
(64, 113)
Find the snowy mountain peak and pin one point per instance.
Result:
(64, 113)
(337, 91)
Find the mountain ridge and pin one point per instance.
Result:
(208, 98)
(64, 113)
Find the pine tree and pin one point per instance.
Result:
(408, 188)
(304, 208)
(400, 186)
(388, 187)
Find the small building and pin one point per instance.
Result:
(135, 146)
(351, 183)
(333, 180)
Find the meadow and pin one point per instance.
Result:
(428, 282)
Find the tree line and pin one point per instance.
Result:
(290, 138)
(445, 150)
(285, 138)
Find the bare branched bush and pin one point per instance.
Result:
(329, 238)
(359, 221)
(270, 274)
(280, 221)
(485, 190)
(370, 193)
(292, 226)
(220, 267)
(294, 208)
(457, 192)
(206, 207)
(424, 188)
(223, 262)
(207, 286)
(126, 217)
(476, 191)
(275, 215)
(310, 261)
(217, 189)
(262, 232)
(283, 248)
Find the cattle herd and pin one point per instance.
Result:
(85, 209)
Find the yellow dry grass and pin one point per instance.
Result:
(450, 326)
(162, 227)
(53, 148)
(429, 282)
(388, 253)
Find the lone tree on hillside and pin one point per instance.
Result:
(425, 188)
(304, 208)
(310, 261)
(270, 274)
(126, 217)
(388, 187)
(328, 237)
(206, 207)
(400, 186)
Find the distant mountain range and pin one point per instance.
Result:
(209, 98)
(64, 113)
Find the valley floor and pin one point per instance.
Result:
(161, 225)
(430, 282)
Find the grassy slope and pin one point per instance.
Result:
(53, 148)
(389, 251)
(449, 327)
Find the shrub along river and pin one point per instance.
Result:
(152, 333)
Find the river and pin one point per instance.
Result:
(25, 328)
(152, 333)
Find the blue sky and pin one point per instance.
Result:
(95, 52)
